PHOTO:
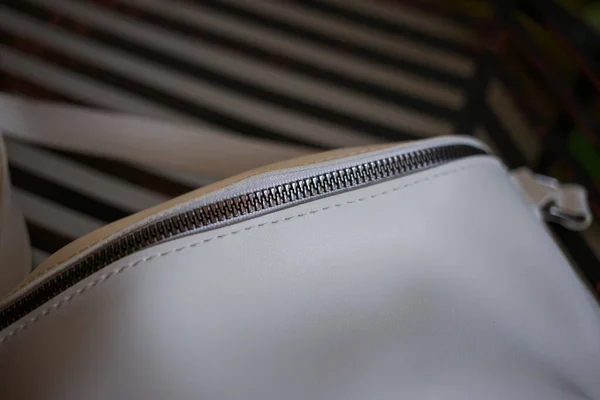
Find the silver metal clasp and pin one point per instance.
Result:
(565, 204)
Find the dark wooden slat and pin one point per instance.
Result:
(345, 46)
(368, 21)
(282, 61)
(46, 239)
(128, 173)
(64, 196)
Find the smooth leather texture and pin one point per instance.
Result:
(439, 285)
(247, 180)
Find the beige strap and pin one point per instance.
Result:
(154, 143)
(15, 253)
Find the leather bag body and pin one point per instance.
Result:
(439, 283)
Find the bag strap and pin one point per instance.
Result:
(149, 142)
(15, 253)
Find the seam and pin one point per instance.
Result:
(262, 171)
(64, 300)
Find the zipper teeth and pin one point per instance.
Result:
(206, 216)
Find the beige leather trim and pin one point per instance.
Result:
(80, 245)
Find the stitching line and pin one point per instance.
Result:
(104, 277)
(261, 171)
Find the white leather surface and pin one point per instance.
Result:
(271, 175)
(440, 285)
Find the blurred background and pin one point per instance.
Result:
(296, 77)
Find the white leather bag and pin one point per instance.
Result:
(413, 271)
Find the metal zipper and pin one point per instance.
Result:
(233, 209)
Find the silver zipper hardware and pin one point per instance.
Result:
(564, 204)
(268, 196)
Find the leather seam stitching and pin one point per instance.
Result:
(64, 300)
(296, 165)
